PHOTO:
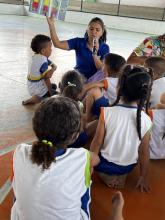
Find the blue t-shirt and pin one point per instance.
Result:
(84, 59)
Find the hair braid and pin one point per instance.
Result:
(121, 84)
(144, 94)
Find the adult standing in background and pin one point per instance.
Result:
(151, 46)
(90, 49)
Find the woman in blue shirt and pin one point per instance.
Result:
(90, 50)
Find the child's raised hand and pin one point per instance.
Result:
(142, 185)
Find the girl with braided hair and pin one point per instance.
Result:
(123, 131)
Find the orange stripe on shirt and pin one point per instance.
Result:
(150, 114)
(105, 81)
(102, 114)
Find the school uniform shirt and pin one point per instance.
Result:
(157, 142)
(58, 193)
(121, 142)
(38, 68)
(110, 85)
(84, 58)
(158, 88)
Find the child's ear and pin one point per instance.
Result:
(42, 50)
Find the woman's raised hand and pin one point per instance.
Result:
(50, 20)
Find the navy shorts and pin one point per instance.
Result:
(101, 102)
(113, 169)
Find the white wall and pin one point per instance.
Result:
(123, 23)
(147, 3)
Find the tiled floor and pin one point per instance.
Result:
(15, 120)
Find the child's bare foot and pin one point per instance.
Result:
(33, 100)
(117, 182)
(117, 206)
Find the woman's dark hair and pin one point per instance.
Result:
(99, 21)
(39, 42)
(135, 84)
(56, 120)
(115, 62)
(71, 84)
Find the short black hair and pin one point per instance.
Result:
(157, 63)
(56, 120)
(39, 42)
(115, 62)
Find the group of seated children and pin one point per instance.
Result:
(114, 112)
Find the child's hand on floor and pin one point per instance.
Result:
(142, 185)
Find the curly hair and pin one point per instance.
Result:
(56, 120)
(135, 84)
(39, 42)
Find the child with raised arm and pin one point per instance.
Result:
(40, 71)
(123, 132)
(51, 181)
(103, 93)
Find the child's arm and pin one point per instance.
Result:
(144, 162)
(98, 139)
(87, 87)
(49, 85)
(47, 77)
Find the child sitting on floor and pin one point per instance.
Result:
(158, 87)
(51, 181)
(71, 86)
(123, 131)
(41, 70)
(157, 141)
(97, 98)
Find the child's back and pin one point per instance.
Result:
(123, 131)
(157, 142)
(121, 134)
(50, 181)
(51, 194)
(158, 87)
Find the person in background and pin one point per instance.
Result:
(151, 46)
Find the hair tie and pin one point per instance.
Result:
(71, 84)
(49, 143)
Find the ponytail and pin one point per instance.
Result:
(43, 154)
